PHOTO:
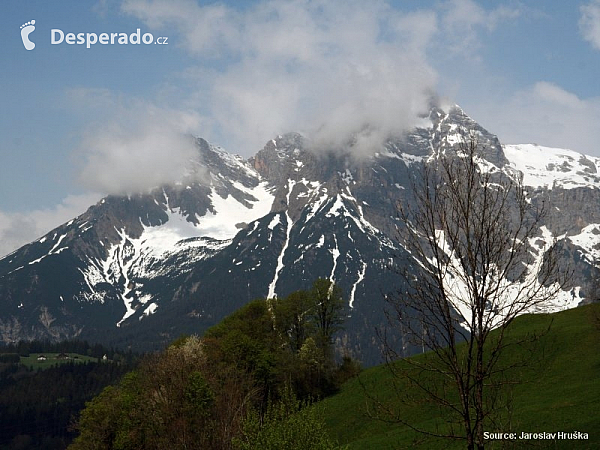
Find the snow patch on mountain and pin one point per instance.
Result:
(553, 167)
(227, 212)
(160, 239)
(151, 309)
(274, 222)
(589, 241)
(509, 294)
(55, 250)
(132, 260)
(361, 277)
(335, 253)
(233, 161)
(288, 231)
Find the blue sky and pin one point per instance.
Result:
(77, 123)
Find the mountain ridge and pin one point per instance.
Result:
(152, 266)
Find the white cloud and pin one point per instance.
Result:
(18, 229)
(130, 146)
(589, 23)
(552, 94)
(545, 114)
(463, 20)
(331, 69)
(138, 147)
(337, 70)
(206, 30)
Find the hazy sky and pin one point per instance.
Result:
(77, 123)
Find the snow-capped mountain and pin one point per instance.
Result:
(141, 270)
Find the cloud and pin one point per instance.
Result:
(335, 70)
(589, 23)
(355, 71)
(552, 94)
(138, 147)
(206, 30)
(545, 114)
(18, 229)
(463, 20)
(130, 146)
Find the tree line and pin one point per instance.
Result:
(247, 383)
(95, 350)
(38, 407)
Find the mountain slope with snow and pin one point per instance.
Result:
(141, 270)
(552, 167)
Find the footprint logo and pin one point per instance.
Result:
(26, 30)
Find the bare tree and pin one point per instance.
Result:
(472, 230)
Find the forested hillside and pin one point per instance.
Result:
(246, 384)
(40, 400)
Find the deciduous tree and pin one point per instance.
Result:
(470, 229)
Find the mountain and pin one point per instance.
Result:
(142, 269)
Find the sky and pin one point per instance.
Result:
(95, 107)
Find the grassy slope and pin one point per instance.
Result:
(560, 391)
(32, 361)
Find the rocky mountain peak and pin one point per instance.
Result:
(282, 157)
(142, 269)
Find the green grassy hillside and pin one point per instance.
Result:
(52, 359)
(559, 391)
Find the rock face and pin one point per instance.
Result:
(144, 269)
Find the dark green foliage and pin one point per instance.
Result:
(101, 417)
(198, 397)
(291, 315)
(166, 403)
(281, 341)
(245, 340)
(347, 370)
(204, 393)
(288, 423)
(9, 358)
(37, 407)
(326, 309)
(307, 322)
